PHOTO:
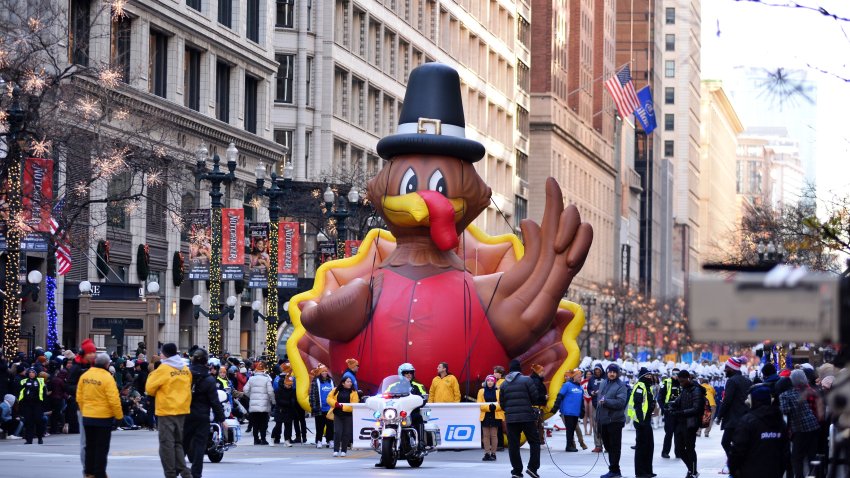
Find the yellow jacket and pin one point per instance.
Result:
(345, 407)
(444, 390)
(172, 388)
(500, 414)
(709, 394)
(97, 395)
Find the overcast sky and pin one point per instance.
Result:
(757, 35)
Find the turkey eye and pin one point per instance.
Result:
(409, 182)
(438, 183)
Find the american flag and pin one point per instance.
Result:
(622, 89)
(63, 250)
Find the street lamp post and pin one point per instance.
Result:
(771, 253)
(279, 188)
(340, 214)
(607, 304)
(216, 177)
(588, 300)
(16, 117)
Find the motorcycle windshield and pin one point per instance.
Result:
(395, 386)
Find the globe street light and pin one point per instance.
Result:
(340, 214)
(228, 310)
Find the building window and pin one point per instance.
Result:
(669, 69)
(670, 42)
(522, 165)
(79, 31)
(117, 191)
(225, 12)
(669, 95)
(668, 148)
(524, 31)
(192, 78)
(520, 210)
(285, 14)
(284, 137)
(669, 122)
(670, 16)
(308, 146)
(158, 66)
(522, 121)
(120, 47)
(196, 4)
(285, 78)
(222, 92)
(341, 93)
(252, 30)
(251, 87)
(308, 90)
(309, 15)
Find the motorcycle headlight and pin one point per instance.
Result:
(390, 414)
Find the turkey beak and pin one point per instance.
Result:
(410, 210)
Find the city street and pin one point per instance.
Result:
(133, 454)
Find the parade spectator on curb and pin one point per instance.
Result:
(31, 404)
(517, 396)
(81, 362)
(760, 441)
(171, 386)
(611, 417)
(341, 413)
(320, 387)
(542, 399)
(710, 396)
(499, 373)
(58, 400)
(352, 366)
(196, 431)
(588, 404)
(12, 426)
(491, 417)
(97, 397)
(797, 405)
(260, 395)
(640, 409)
(687, 410)
(733, 405)
(286, 402)
(568, 403)
(668, 393)
(593, 388)
(444, 387)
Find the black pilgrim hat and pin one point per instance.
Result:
(431, 119)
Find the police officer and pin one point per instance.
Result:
(31, 398)
(641, 406)
(669, 392)
(407, 372)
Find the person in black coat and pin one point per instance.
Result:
(287, 402)
(196, 430)
(760, 443)
(517, 396)
(688, 410)
(733, 406)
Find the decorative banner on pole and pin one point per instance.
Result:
(288, 257)
(200, 239)
(351, 248)
(258, 277)
(38, 193)
(232, 244)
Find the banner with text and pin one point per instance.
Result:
(200, 243)
(258, 267)
(232, 244)
(459, 424)
(288, 258)
(38, 193)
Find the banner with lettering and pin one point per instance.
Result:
(38, 193)
(200, 243)
(258, 265)
(351, 248)
(232, 244)
(288, 258)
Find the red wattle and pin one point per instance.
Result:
(442, 216)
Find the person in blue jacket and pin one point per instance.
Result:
(569, 403)
(320, 388)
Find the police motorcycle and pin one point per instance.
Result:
(395, 436)
(220, 439)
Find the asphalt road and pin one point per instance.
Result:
(134, 454)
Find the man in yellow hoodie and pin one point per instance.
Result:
(444, 387)
(171, 385)
(97, 397)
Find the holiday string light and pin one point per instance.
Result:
(11, 311)
(271, 315)
(214, 334)
(52, 335)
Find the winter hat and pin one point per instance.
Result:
(69, 355)
(515, 366)
(169, 349)
(538, 369)
(684, 374)
(643, 371)
(785, 373)
(41, 359)
(491, 377)
(88, 347)
(9, 398)
(232, 369)
(768, 369)
(286, 368)
(807, 366)
(352, 363)
(259, 367)
(798, 378)
(613, 368)
(760, 394)
(735, 363)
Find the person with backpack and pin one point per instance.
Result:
(760, 444)
(196, 429)
(688, 411)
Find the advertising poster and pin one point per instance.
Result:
(351, 248)
(38, 193)
(200, 243)
(288, 257)
(232, 244)
(258, 266)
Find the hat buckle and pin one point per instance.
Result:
(423, 123)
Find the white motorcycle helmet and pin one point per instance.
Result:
(405, 367)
